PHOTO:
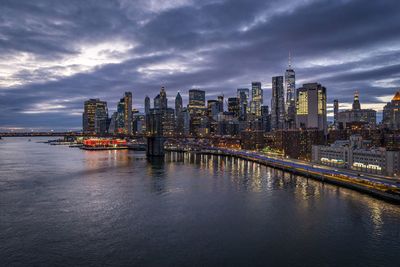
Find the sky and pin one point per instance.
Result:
(54, 55)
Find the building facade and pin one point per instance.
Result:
(311, 107)
(277, 104)
(256, 98)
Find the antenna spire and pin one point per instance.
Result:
(290, 60)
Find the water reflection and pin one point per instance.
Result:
(118, 207)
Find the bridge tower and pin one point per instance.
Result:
(155, 142)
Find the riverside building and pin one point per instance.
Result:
(356, 154)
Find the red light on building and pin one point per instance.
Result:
(94, 142)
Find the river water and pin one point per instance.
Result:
(63, 206)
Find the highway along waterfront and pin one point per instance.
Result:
(63, 206)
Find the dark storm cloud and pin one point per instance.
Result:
(48, 67)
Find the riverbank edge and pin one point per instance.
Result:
(319, 177)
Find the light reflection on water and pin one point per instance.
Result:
(65, 206)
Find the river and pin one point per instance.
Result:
(62, 206)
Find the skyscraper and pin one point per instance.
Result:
(94, 110)
(120, 119)
(311, 107)
(101, 122)
(290, 86)
(243, 96)
(128, 113)
(212, 108)
(178, 104)
(266, 119)
(256, 98)
(364, 117)
(220, 99)
(146, 105)
(277, 103)
(157, 102)
(197, 110)
(234, 106)
(391, 113)
(163, 99)
(356, 101)
(197, 98)
(335, 112)
(178, 114)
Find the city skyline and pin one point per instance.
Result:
(59, 56)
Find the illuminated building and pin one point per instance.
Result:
(163, 99)
(101, 121)
(119, 121)
(178, 104)
(243, 96)
(94, 110)
(367, 117)
(178, 114)
(256, 98)
(295, 143)
(335, 113)
(277, 104)
(391, 113)
(311, 107)
(197, 98)
(139, 123)
(227, 124)
(234, 106)
(355, 154)
(251, 140)
(97, 142)
(128, 113)
(220, 99)
(197, 110)
(290, 86)
(212, 108)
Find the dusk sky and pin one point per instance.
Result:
(56, 54)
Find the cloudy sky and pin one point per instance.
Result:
(56, 54)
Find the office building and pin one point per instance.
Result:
(146, 105)
(391, 113)
(220, 99)
(335, 113)
(94, 115)
(234, 106)
(243, 95)
(365, 117)
(311, 107)
(128, 113)
(356, 154)
(163, 99)
(178, 104)
(256, 98)
(197, 110)
(277, 104)
(290, 87)
(178, 114)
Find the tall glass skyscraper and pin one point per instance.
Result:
(243, 96)
(277, 103)
(128, 113)
(290, 101)
(256, 98)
